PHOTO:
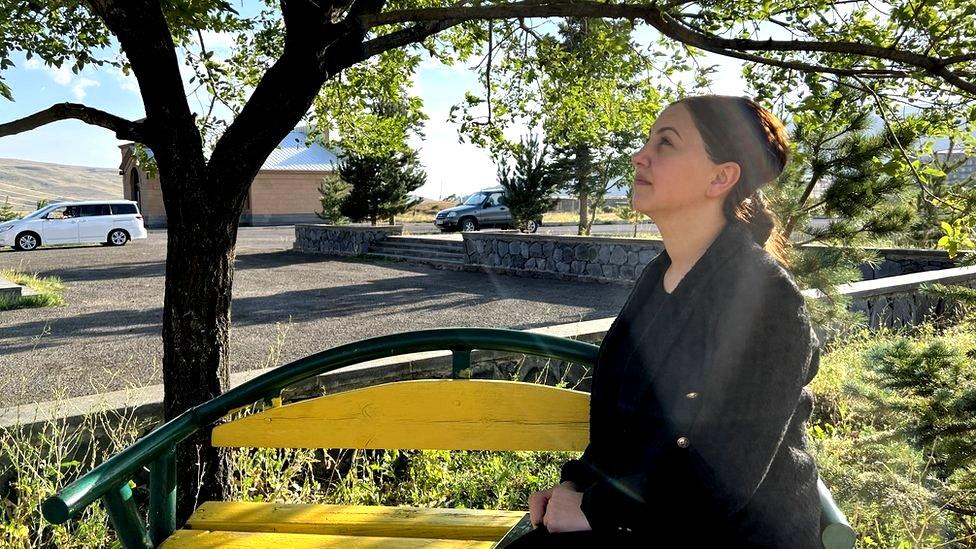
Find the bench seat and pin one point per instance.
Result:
(200, 539)
(254, 524)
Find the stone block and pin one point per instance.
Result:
(579, 253)
(562, 267)
(627, 272)
(535, 250)
(594, 269)
(618, 256)
(603, 255)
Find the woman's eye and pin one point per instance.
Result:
(663, 141)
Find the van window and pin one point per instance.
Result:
(118, 209)
(91, 210)
(64, 212)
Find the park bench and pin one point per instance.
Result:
(444, 414)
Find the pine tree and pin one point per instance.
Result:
(926, 392)
(528, 184)
(7, 212)
(333, 191)
(380, 186)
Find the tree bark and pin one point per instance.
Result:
(196, 327)
(583, 159)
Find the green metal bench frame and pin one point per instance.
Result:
(109, 481)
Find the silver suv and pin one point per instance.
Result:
(485, 208)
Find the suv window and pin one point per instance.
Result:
(91, 210)
(494, 200)
(119, 209)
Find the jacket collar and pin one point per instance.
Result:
(732, 240)
(677, 308)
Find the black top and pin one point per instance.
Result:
(698, 411)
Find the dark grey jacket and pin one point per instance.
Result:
(698, 408)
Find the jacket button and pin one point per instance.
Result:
(683, 442)
(691, 396)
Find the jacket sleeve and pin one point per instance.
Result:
(717, 460)
(578, 471)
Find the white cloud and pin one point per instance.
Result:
(127, 82)
(61, 75)
(78, 89)
(220, 42)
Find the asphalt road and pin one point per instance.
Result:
(107, 335)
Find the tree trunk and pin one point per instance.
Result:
(583, 184)
(196, 324)
(201, 236)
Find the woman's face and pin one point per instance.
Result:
(672, 171)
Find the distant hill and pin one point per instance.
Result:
(24, 182)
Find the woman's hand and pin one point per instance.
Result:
(538, 502)
(562, 511)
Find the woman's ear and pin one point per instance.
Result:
(726, 176)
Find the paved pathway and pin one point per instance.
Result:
(107, 337)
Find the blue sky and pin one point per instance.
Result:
(451, 167)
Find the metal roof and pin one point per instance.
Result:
(293, 154)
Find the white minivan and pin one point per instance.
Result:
(112, 222)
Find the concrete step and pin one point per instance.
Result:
(10, 290)
(415, 259)
(413, 240)
(416, 251)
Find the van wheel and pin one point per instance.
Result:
(118, 237)
(27, 242)
(468, 224)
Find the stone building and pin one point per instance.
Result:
(285, 191)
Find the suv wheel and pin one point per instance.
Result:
(118, 237)
(468, 224)
(531, 226)
(27, 241)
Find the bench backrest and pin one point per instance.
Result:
(437, 414)
(448, 414)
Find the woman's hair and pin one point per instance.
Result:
(737, 129)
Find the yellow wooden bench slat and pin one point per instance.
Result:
(441, 414)
(204, 539)
(355, 520)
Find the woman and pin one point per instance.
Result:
(698, 406)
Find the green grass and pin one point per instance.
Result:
(50, 291)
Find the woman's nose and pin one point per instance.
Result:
(638, 159)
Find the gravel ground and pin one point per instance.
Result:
(107, 336)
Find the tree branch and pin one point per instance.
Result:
(124, 129)
(433, 20)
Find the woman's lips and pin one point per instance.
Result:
(639, 181)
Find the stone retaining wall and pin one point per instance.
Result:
(583, 258)
(575, 257)
(343, 240)
(901, 261)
